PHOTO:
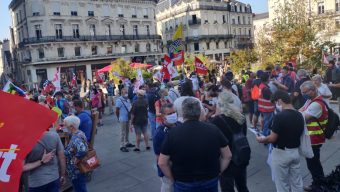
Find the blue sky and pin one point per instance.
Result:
(259, 6)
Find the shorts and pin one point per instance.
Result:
(256, 109)
(251, 106)
(139, 129)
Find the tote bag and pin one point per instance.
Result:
(305, 148)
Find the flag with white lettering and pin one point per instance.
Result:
(172, 71)
(200, 68)
(56, 80)
(22, 123)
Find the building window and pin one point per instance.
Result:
(56, 8)
(74, 9)
(41, 53)
(74, 13)
(135, 30)
(106, 11)
(136, 47)
(148, 30)
(17, 17)
(94, 50)
(148, 47)
(108, 30)
(236, 8)
(77, 51)
(20, 15)
(208, 45)
(120, 11)
(35, 8)
(194, 19)
(226, 44)
(244, 20)
(249, 32)
(239, 31)
(321, 7)
(123, 48)
(134, 12)
(249, 20)
(145, 13)
(75, 28)
(217, 45)
(109, 50)
(91, 13)
(61, 52)
(337, 5)
(196, 46)
(38, 31)
(58, 31)
(238, 20)
(233, 21)
(93, 30)
(232, 7)
(223, 19)
(122, 29)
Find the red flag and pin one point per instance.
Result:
(22, 123)
(74, 80)
(167, 60)
(178, 58)
(164, 70)
(98, 78)
(200, 68)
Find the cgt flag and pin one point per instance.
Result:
(178, 58)
(22, 123)
(200, 68)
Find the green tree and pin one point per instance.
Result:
(190, 62)
(121, 67)
(242, 59)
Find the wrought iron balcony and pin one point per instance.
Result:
(210, 37)
(48, 39)
(195, 22)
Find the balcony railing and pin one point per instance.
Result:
(245, 45)
(210, 37)
(48, 39)
(195, 22)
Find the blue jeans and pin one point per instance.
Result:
(50, 187)
(152, 121)
(267, 121)
(198, 186)
(79, 184)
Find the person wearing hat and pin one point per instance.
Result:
(139, 119)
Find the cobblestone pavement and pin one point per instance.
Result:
(136, 172)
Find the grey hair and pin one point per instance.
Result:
(191, 109)
(226, 107)
(302, 73)
(308, 84)
(72, 120)
(317, 78)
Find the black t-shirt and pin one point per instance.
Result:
(140, 112)
(194, 150)
(289, 125)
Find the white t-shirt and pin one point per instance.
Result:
(178, 107)
(323, 90)
(314, 109)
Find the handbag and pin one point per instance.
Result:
(305, 148)
(89, 162)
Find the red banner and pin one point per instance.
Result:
(22, 123)
(165, 71)
(178, 58)
(200, 68)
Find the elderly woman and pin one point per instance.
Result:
(75, 150)
(323, 89)
(164, 94)
(229, 122)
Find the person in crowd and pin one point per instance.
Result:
(96, 103)
(231, 117)
(120, 87)
(198, 152)
(287, 83)
(164, 99)
(195, 83)
(170, 121)
(315, 113)
(123, 107)
(334, 83)
(152, 96)
(85, 119)
(62, 104)
(291, 71)
(131, 89)
(42, 101)
(209, 99)
(173, 93)
(265, 106)
(285, 137)
(256, 83)
(142, 87)
(110, 87)
(139, 119)
(246, 95)
(187, 91)
(227, 86)
(297, 99)
(230, 76)
(101, 107)
(323, 89)
(76, 149)
(46, 164)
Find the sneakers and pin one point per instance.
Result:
(148, 148)
(124, 149)
(136, 150)
(129, 145)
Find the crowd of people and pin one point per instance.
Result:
(198, 127)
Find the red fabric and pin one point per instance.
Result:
(140, 65)
(74, 80)
(164, 70)
(265, 105)
(178, 58)
(158, 104)
(22, 123)
(98, 78)
(105, 69)
(200, 68)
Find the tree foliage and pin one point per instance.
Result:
(242, 59)
(295, 33)
(121, 67)
(190, 62)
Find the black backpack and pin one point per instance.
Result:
(333, 122)
(240, 147)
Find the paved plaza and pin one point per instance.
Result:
(136, 172)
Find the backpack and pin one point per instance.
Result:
(240, 147)
(255, 92)
(333, 122)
